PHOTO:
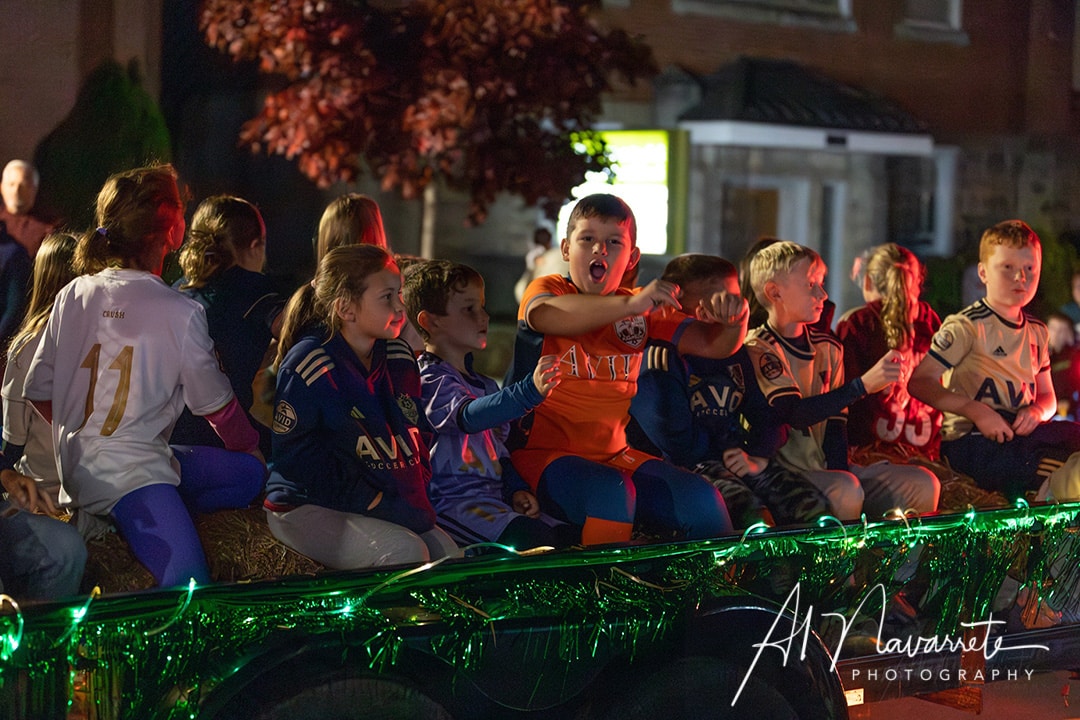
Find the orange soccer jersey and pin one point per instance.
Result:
(587, 412)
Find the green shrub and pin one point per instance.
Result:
(114, 125)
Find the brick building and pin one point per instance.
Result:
(968, 115)
(987, 90)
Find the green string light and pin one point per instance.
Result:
(11, 637)
(166, 651)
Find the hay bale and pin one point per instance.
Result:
(238, 547)
(961, 493)
(111, 567)
(958, 491)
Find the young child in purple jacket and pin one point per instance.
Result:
(477, 494)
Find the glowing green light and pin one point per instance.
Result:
(613, 604)
(13, 638)
(755, 529)
(180, 610)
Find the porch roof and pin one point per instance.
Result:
(780, 103)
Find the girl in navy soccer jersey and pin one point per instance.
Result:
(355, 219)
(222, 261)
(350, 464)
(120, 356)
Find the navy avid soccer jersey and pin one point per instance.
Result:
(347, 438)
(989, 359)
(694, 408)
(241, 306)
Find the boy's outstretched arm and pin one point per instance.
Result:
(720, 327)
(925, 384)
(579, 313)
(512, 401)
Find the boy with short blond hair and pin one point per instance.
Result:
(476, 493)
(998, 395)
(801, 372)
(572, 448)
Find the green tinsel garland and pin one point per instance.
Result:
(161, 652)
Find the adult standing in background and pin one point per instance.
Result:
(543, 258)
(15, 269)
(19, 187)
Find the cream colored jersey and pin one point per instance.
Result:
(120, 356)
(782, 369)
(989, 359)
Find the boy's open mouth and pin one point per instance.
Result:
(597, 270)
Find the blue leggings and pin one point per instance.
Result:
(661, 496)
(156, 519)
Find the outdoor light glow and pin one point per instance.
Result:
(641, 179)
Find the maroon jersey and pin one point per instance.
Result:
(891, 416)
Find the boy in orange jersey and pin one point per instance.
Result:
(572, 447)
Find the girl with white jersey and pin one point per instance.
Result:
(121, 355)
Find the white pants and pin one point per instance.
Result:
(347, 541)
(876, 489)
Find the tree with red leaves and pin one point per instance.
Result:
(493, 95)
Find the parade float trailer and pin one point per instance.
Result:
(777, 623)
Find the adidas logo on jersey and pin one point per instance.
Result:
(1000, 352)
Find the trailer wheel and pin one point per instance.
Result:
(699, 688)
(354, 698)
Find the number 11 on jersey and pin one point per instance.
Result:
(121, 362)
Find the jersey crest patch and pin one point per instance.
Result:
(632, 330)
(408, 408)
(284, 418)
(771, 367)
(943, 339)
